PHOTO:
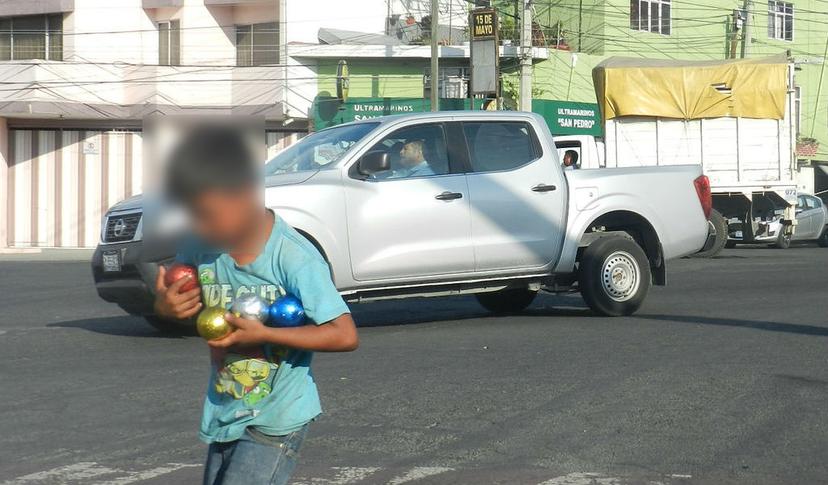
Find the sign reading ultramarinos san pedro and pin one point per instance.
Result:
(569, 118)
(563, 117)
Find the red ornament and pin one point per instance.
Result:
(178, 271)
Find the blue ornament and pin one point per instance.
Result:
(286, 311)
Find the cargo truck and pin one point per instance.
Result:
(735, 118)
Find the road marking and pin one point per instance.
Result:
(343, 476)
(78, 471)
(418, 473)
(133, 477)
(84, 471)
(583, 479)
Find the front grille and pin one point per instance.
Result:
(120, 228)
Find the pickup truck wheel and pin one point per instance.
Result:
(614, 276)
(171, 327)
(823, 238)
(783, 241)
(511, 300)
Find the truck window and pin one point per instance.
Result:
(569, 146)
(495, 146)
(318, 150)
(415, 151)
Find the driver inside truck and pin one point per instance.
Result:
(412, 162)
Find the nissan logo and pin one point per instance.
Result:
(119, 228)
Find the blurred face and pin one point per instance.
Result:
(224, 217)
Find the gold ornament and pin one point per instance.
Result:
(211, 324)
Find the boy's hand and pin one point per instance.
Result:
(170, 303)
(247, 332)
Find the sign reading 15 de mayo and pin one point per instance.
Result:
(484, 24)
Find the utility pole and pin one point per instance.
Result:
(525, 102)
(819, 88)
(746, 29)
(435, 56)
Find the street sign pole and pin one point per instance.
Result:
(435, 56)
(485, 66)
(525, 96)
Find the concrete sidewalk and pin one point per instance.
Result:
(45, 254)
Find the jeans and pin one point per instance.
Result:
(254, 459)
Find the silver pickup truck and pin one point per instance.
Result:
(458, 202)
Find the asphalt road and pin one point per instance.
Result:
(722, 377)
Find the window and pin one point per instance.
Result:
(650, 16)
(811, 202)
(32, 37)
(574, 149)
(453, 82)
(495, 146)
(416, 151)
(798, 108)
(780, 20)
(169, 43)
(319, 150)
(257, 45)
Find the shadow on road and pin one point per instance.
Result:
(432, 310)
(121, 326)
(754, 324)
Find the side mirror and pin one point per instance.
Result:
(374, 162)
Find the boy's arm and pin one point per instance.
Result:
(337, 335)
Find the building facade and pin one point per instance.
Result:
(80, 76)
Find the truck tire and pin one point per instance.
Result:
(823, 238)
(783, 241)
(614, 276)
(171, 327)
(511, 300)
(720, 223)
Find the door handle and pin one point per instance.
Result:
(543, 188)
(449, 196)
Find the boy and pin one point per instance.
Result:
(262, 393)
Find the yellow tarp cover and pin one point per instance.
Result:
(749, 88)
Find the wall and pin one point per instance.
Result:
(376, 78)
(107, 31)
(304, 18)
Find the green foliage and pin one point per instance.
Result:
(508, 28)
(510, 90)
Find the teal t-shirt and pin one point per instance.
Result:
(267, 387)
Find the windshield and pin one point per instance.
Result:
(318, 150)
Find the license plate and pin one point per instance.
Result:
(111, 261)
(738, 234)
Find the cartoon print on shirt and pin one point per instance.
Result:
(240, 375)
(261, 391)
(207, 276)
(243, 375)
